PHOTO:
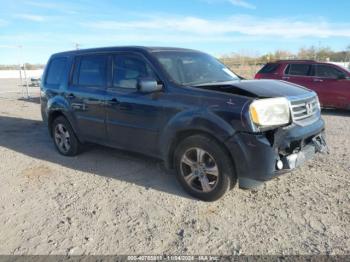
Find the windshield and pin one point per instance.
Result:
(346, 69)
(194, 68)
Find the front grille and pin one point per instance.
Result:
(304, 109)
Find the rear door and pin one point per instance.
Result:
(133, 118)
(299, 74)
(87, 95)
(332, 86)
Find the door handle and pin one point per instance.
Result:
(121, 106)
(112, 102)
(70, 96)
(79, 106)
(318, 80)
(285, 78)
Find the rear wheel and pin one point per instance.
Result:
(64, 137)
(204, 168)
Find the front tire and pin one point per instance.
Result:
(64, 138)
(204, 168)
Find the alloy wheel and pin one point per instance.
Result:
(62, 138)
(200, 170)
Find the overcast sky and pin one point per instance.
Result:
(215, 26)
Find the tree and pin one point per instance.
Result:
(307, 53)
(348, 54)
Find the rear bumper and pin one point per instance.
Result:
(256, 155)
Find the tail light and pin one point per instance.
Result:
(258, 76)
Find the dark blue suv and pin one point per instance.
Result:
(184, 107)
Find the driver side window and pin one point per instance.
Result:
(128, 69)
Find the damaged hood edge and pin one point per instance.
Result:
(257, 88)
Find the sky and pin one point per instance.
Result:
(31, 30)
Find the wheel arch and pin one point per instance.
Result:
(183, 134)
(57, 113)
(51, 117)
(190, 123)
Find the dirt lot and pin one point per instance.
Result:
(111, 202)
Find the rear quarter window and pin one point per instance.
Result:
(56, 70)
(268, 68)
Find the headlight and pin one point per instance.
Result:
(270, 112)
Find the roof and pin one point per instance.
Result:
(125, 48)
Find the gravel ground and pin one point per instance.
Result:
(106, 201)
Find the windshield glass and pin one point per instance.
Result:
(194, 68)
(346, 69)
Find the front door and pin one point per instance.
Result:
(332, 86)
(87, 95)
(133, 119)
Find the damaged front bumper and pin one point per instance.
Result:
(261, 157)
(317, 145)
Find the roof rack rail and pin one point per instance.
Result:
(296, 60)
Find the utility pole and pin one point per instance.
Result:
(22, 66)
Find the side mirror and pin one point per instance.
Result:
(149, 85)
(341, 77)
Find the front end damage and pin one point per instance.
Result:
(261, 156)
(295, 151)
(300, 151)
(261, 151)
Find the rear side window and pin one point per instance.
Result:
(298, 69)
(56, 70)
(91, 71)
(328, 71)
(269, 68)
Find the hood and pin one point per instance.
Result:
(258, 88)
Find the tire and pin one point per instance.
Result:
(64, 138)
(211, 177)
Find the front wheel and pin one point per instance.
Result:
(204, 168)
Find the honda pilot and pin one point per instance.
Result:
(185, 108)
